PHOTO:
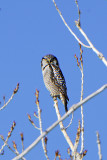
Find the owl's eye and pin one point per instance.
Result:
(54, 61)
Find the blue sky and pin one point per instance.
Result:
(29, 30)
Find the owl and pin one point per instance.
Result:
(54, 79)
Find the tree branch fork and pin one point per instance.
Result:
(60, 119)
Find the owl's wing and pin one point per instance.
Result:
(59, 79)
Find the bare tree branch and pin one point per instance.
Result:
(77, 137)
(80, 65)
(14, 92)
(62, 126)
(70, 121)
(99, 54)
(16, 151)
(72, 109)
(91, 46)
(8, 136)
(40, 123)
(82, 89)
(99, 146)
(68, 26)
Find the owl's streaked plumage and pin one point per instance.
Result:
(54, 79)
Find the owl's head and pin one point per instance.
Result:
(49, 60)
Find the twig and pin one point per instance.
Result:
(8, 136)
(82, 115)
(79, 12)
(99, 146)
(6, 144)
(80, 65)
(16, 152)
(74, 153)
(99, 54)
(69, 153)
(22, 140)
(62, 126)
(31, 121)
(68, 26)
(14, 92)
(77, 137)
(57, 154)
(91, 46)
(72, 109)
(70, 120)
(40, 124)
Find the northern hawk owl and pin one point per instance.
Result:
(54, 79)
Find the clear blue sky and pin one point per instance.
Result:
(30, 29)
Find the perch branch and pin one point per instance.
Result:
(62, 126)
(72, 109)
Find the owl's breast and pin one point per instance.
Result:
(49, 81)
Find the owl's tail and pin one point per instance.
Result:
(66, 109)
(64, 101)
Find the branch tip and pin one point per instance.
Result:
(22, 137)
(16, 89)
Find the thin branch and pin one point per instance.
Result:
(70, 121)
(63, 130)
(91, 46)
(16, 152)
(72, 109)
(40, 123)
(99, 54)
(57, 154)
(80, 65)
(82, 89)
(22, 140)
(68, 26)
(8, 136)
(79, 12)
(69, 153)
(31, 121)
(82, 117)
(14, 92)
(99, 146)
(77, 137)
(62, 126)
(6, 144)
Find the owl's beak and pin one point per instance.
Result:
(49, 60)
